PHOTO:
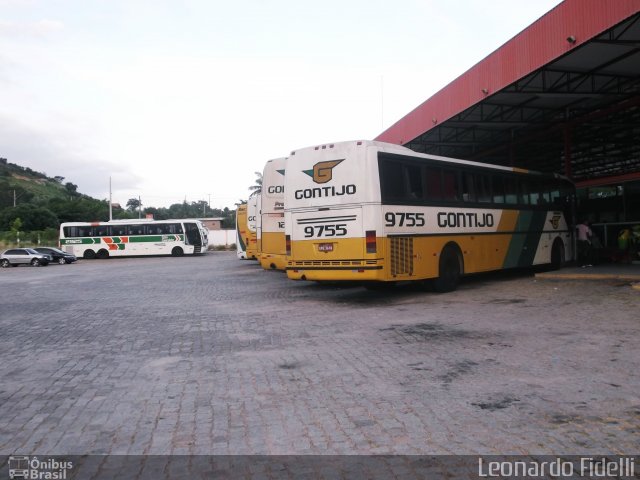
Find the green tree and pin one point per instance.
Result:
(158, 213)
(16, 225)
(133, 204)
(31, 217)
(71, 188)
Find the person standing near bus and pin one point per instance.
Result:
(584, 244)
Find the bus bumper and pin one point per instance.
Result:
(336, 273)
(270, 261)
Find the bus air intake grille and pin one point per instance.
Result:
(327, 263)
(401, 256)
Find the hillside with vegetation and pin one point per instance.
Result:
(32, 206)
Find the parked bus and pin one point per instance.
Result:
(120, 238)
(272, 246)
(253, 217)
(379, 212)
(242, 233)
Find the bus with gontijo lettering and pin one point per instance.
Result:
(272, 244)
(379, 212)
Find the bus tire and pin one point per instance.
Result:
(557, 254)
(102, 254)
(89, 254)
(449, 271)
(177, 252)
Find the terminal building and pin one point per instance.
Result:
(562, 96)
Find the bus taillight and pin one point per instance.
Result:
(371, 241)
(287, 241)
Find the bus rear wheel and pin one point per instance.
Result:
(177, 252)
(449, 271)
(102, 254)
(89, 254)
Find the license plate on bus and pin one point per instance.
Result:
(325, 247)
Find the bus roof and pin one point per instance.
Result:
(400, 150)
(133, 220)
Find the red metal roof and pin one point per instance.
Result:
(539, 44)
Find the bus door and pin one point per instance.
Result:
(192, 233)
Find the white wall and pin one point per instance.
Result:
(222, 237)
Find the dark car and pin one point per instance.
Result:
(58, 255)
(23, 256)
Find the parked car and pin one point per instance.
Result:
(23, 256)
(58, 255)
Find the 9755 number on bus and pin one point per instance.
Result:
(403, 219)
(339, 230)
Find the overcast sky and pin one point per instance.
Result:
(186, 99)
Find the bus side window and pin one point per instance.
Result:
(498, 189)
(391, 180)
(511, 190)
(545, 195)
(525, 189)
(413, 179)
(450, 188)
(101, 231)
(433, 182)
(468, 190)
(84, 231)
(535, 198)
(483, 188)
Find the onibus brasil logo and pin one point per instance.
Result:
(23, 466)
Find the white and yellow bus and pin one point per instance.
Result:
(242, 234)
(379, 212)
(272, 245)
(253, 225)
(121, 238)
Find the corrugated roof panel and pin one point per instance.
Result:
(542, 42)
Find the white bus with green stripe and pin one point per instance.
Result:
(376, 212)
(121, 238)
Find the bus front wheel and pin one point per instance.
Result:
(177, 252)
(449, 271)
(89, 254)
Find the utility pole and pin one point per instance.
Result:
(110, 202)
(16, 197)
(139, 207)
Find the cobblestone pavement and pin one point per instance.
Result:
(214, 355)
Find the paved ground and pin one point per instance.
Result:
(214, 355)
